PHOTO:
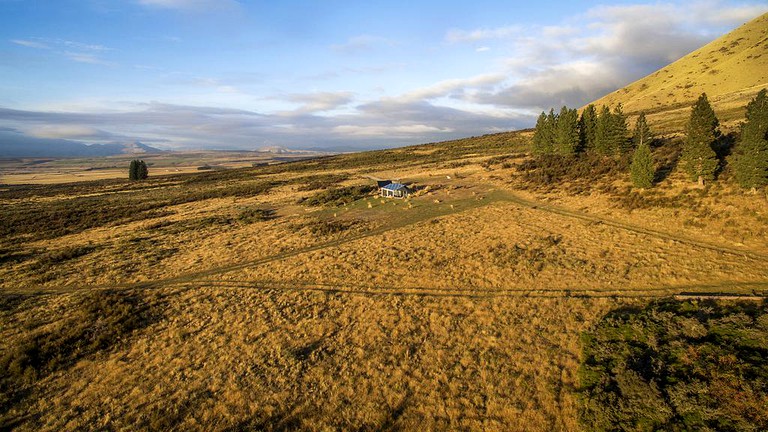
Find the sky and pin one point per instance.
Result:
(326, 74)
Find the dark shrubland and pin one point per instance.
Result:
(677, 366)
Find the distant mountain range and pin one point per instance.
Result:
(15, 145)
(730, 69)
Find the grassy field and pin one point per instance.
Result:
(17, 171)
(289, 296)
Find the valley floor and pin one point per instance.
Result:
(458, 309)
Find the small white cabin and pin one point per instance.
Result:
(395, 190)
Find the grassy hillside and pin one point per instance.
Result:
(730, 69)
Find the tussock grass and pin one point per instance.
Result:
(96, 323)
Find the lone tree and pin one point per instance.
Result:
(698, 158)
(750, 159)
(642, 169)
(138, 170)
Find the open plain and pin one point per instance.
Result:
(293, 297)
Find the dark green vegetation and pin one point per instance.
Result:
(677, 366)
(750, 159)
(706, 152)
(642, 170)
(698, 159)
(567, 134)
(41, 220)
(339, 196)
(251, 215)
(138, 170)
(96, 323)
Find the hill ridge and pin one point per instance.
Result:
(731, 70)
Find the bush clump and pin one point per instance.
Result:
(253, 215)
(677, 366)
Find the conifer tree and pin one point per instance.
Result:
(603, 131)
(567, 135)
(642, 169)
(618, 131)
(642, 132)
(587, 126)
(540, 139)
(133, 170)
(750, 159)
(698, 158)
(138, 170)
(143, 171)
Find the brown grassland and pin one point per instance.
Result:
(290, 297)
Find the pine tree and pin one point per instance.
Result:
(143, 171)
(603, 131)
(618, 131)
(587, 126)
(750, 159)
(138, 170)
(642, 170)
(642, 132)
(133, 170)
(567, 136)
(540, 139)
(698, 158)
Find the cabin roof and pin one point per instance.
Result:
(395, 186)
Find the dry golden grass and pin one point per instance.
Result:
(272, 360)
(459, 309)
(19, 171)
(730, 69)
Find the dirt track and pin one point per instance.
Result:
(207, 277)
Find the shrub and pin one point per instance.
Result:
(252, 215)
(677, 366)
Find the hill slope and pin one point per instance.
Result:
(730, 69)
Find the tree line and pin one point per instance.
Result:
(605, 132)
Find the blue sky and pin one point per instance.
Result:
(227, 74)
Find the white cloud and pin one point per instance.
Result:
(483, 49)
(30, 44)
(73, 50)
(383, 131)
(604, 49)
(446, 88)
(457, 35)
(86, 58)
(64, 131)
(319, 102)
